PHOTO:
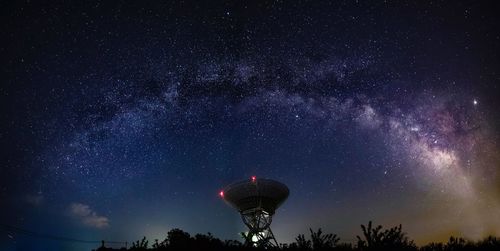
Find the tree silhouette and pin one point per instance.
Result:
(178, 239)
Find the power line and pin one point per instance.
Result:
(9, 229)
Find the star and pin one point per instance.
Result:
(306, 94)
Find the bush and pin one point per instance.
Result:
(373, 238)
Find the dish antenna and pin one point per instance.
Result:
(256, 200)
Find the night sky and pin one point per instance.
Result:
(121, 120)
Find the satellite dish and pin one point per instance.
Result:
(256, 200)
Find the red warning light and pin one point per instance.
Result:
(254, 178)
(221, 193)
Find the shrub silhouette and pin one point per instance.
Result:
(488, 243)
(379, 239)
(319, 241)
(302, 243)
(323, 242)
(373, 238)
(143, 245)
(208, 241)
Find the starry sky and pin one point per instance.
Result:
(125, 119)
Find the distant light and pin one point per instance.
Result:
(475, 102)
(254, 178)
(221, 193)
(255, 239)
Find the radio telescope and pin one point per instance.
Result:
(256, 200)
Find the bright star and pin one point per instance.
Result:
(475, 102)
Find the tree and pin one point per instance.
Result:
(178, 239)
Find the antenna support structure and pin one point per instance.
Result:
(256, 200)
